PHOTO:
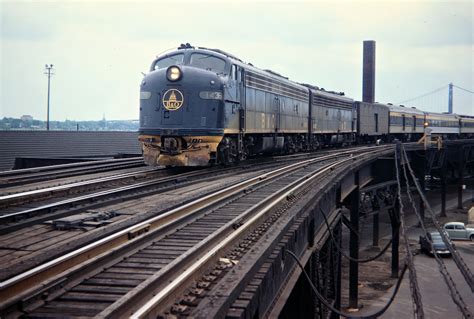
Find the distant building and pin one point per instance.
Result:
(26, 118)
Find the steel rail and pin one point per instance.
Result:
(35, 177)
(20, 285)
(254, 214)
(60, 166)
(94, 196)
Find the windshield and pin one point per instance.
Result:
(436, 237)
(207, 62)
(168, 61)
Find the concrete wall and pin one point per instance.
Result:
(64, 144)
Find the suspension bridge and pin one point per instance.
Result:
(449, 98)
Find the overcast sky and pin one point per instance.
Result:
(100, 48)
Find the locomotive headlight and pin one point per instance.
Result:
(173, 73)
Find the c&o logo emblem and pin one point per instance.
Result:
(173, 99)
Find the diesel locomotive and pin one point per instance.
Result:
(200, 106)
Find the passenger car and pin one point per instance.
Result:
(457, 230)
(438, 244)
(446, 125)
(467, 125)
(406, 123)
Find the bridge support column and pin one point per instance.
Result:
(336, 266)
(354, 246)
(314, 266)
(420, 171)
(443, 189)
(461, 177)
(375, 230)
(394, 214)
(395, 221)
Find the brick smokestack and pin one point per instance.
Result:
(368, 72)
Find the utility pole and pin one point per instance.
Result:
(49, 72)
(450, 98)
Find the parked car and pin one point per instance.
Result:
(457, 230)
(438, 244)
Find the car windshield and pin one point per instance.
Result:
(168, 61)
(207, 62)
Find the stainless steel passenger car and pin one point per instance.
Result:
(446, 125)
(406, 123)
(466, 125)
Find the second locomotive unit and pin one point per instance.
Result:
(201, 106)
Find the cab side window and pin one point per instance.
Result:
(449, 227)
(233, 72)
(459, 227)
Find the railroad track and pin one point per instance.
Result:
(160, 255)
(33, 239)
(40, 174)
(29, 242)
(14, 201)
(27, 208)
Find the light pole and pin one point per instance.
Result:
(49, 72)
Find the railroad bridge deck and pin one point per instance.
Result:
(268, 277)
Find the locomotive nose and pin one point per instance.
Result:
(182, 110)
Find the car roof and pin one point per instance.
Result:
(454, 223)
(434, 234)
(403, 109)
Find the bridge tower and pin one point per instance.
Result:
(450, 99)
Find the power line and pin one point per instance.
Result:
(463, 89)
(423, 95)
(337, 311)
(339, 249)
